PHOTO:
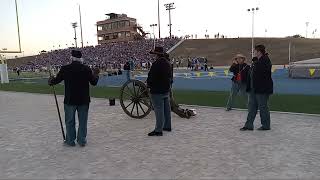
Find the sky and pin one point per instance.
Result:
(47, 23)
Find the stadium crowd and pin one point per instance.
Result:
(106, 56)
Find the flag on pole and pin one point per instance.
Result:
(312, 71)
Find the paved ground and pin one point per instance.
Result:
(208, 146)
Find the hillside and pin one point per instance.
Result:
(220, 51)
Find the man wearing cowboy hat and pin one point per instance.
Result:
(239, 80)
(159, 81)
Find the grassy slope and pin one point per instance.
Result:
(220, 51)
(286, 103)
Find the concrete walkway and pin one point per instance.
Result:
(207, 146)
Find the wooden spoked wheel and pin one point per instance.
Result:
(135, 99)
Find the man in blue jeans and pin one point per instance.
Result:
(239, 80)
(259, 87)
(159, 81)
(76, 77)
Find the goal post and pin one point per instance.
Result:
(3, 62)
(4, 70)
(18, 29)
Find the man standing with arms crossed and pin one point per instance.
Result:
(76, 77)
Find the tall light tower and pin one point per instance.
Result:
(154, 36)
(81, 26)
(159, 19)
(253, 10)
(307, 24)
(265, 33)
(153, 28)
(74, 26)
(314, 33)
(169, 7)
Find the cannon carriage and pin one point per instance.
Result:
(136, 102)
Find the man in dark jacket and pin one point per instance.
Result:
(239, 80)
(126, 68)
(76, 77)
(159, 81)
(260, 87)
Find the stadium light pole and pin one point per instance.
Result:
(307, 24)
(154, 36)
(153, 26)
(18, 28)
(314, 33)
(265, 33)
(159, 19)
(81, 26)
(253, 10)
(170, 7)
(74, 26)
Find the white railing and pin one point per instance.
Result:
(175, 46)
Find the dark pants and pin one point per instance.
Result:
(237, 88)
(70, 112)
(258, 101)
(128, 74)
(162, 109)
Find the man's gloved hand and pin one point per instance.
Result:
(50, 83)
(96, 71)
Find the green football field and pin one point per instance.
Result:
(284, 103)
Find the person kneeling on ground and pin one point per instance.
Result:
(260, 87)
(159, 81)
(239, 80)
(76, 77)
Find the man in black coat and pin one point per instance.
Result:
(76, 77)
(239, 80)
(259, 87)
(126, 68)
(159, 81)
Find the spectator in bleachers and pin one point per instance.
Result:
(104, 56)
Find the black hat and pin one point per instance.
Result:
(76, 54)
(158, 50)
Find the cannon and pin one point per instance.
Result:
(136, 103)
